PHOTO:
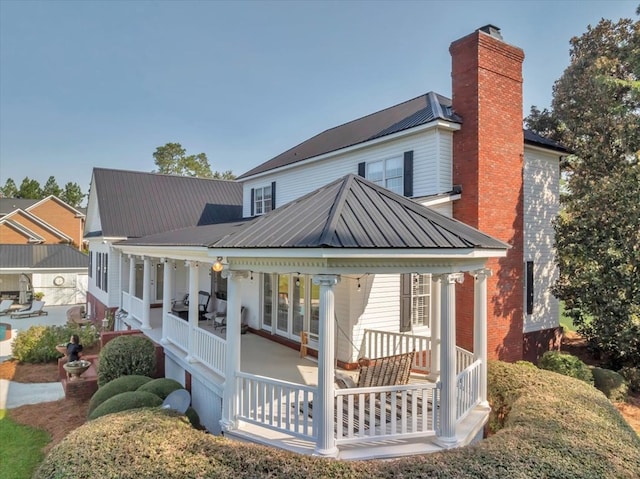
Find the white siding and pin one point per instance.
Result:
(541, 203)
(297, 181)
(445, 165)
(93, 215)
(96, 247)
(71, 291)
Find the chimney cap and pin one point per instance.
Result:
(491, 30)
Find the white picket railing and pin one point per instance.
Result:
(135, 308)
(467, 390)
(126, 301)
(377, 344)
(177, 331)
(464, 359)
(209, 349)
(387, 412)
(278, 405)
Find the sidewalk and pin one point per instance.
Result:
(14, 394)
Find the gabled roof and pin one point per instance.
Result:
(8, 205)
(355, 213)
(534, 139)
(41, 256)
(36, 219)
(76, 211)
(32, 235)
(136, 204)
(417, 111)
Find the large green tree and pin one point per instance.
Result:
(30, 189)
(51, 188)
(172, 159)
(72, 194)
(9, 190)
(596, 115)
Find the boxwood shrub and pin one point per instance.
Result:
(124, 356)
(610, 383)
(632, 376)
(161, 387)
(125, 401)
(566, 364)
(117, 386)
(535, 437)
(38, 343)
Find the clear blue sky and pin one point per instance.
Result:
(97, 83)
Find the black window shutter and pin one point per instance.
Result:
(361, 169)
(273, 195)
(405, 302)
(408, 173)
(529, 274)
(252, 201)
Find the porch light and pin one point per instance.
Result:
(217, 266)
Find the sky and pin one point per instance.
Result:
(87, 84)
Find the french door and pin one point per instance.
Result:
(290, 305)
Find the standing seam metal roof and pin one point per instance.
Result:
(136, 204)
(355, 213)
(41, 256)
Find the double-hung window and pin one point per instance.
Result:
(388, 173)
(420, 299)
(262, 200)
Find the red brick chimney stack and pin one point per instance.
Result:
(488, 154)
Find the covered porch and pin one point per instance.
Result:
(340, 231)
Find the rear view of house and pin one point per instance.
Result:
(423, 229)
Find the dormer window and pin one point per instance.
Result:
(263, 199)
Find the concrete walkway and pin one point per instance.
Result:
(14, 394)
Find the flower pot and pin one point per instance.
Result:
(76, 368)
(62, 349)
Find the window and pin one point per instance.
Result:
(529, 287)
(102, 260)
(262, 200)
(90, 264)
(420, 299)
(388, 173)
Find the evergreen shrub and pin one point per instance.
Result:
(117, 386)
(161, 387)
(566, 364)
(38, 343)
(126, 356)
(610, 383)
(124, 402)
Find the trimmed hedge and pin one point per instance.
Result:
(535, 438)
(38, 343)
(124, 402)
(610, 383)
(566, 364)
(161, 387)
(126, 356)
(632, 376)
(117, 386)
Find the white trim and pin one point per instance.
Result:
(33, 236)
(447, 125)
(77, 213)
(440, 200)
(39, 221)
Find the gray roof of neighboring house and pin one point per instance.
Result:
(409, 114)
(136, 204)
(7, 205)
(35, 256)
(418, 111)
(355, 213)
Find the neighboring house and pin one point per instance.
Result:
(423, 227)
(25, 224)
(58, 271)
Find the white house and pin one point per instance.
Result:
(421, 229)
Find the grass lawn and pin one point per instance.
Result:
(21, 451)
(565, 321)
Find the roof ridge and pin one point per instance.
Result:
(167, 175)
(333, 218)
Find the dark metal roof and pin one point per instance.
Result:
(41, 256)
(192, 236)
(534, 139)
(418, 111)
(355, 213)
(136, 204)
(7, 205)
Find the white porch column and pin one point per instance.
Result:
(480, 329)
(194, 286)
(167, 288)
(146, 293)
(447, 432)
(132, 277)
(323, 421)
(120, 272)
(435, 327)
(232, 352)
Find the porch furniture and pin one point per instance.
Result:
(34, 310)
(385, 371)
(181, 308)
(5, 306)
(76, 316)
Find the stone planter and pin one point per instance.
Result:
(76, 368)
(62, 349)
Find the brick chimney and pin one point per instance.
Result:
(488, 153)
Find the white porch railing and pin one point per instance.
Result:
(210, 350)
(135, 307)
(464, 359)
(278, 405)
(384, 413)
(177, 331)
(377, 344)
(467, 390)
(126, 301)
